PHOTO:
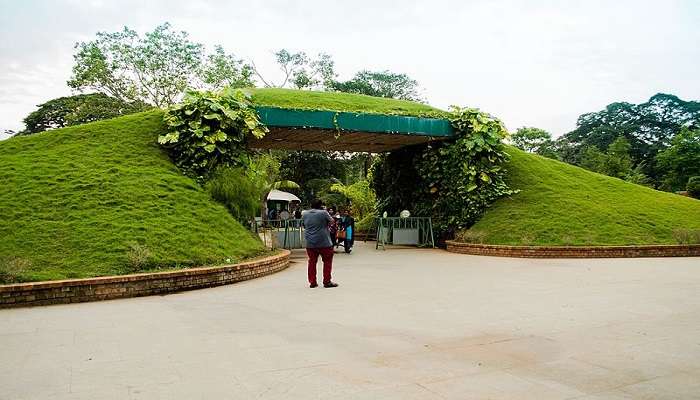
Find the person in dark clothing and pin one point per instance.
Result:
(318, 242)
(348, 225)
(333, 226)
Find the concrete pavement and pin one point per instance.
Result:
(404, 324)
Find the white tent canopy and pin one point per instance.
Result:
(281, 196)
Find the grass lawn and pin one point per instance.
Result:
(336, 101)
(560, 204)
(75, 200)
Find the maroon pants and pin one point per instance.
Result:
(326, 254)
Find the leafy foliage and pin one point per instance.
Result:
(156, 68)
(615, 162)
(235, 189)
(534, 140)
(648, 127)
(693, 187)
(380, 84)
(210, 129)
(681, 160)
(451, 181)
(76, 110)
(301, 71)
(362, 198)
(304, 167)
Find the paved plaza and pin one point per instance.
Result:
(404, 324)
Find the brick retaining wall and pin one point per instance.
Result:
(114, 287)
(574, 251)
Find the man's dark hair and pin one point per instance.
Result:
(317, 204)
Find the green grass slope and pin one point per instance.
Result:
(560, 204)
(336, 101)
(74, 201)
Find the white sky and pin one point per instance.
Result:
(530, 63)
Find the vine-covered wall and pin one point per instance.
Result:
(452, 181)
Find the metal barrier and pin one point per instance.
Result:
(280, 233)
(414, 231)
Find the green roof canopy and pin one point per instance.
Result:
(307, 120)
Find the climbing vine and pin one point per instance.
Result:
(452, 181)
(210, 129)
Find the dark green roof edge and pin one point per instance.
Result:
(353, 121)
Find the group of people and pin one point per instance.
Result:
(326, 229)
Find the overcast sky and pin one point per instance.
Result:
(530, 63)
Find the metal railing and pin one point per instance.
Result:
(412, 231)
(280, 233)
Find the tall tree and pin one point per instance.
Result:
(534, 140)
(76, 110)
(681, 160)
(156, 68)
(301, 71)
(649, 127)
(381, 84)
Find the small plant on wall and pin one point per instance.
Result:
(209, 129)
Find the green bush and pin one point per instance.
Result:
(210, 129)
(139, 257)
(234, 189)
(693, 187)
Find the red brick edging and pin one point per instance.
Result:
(115, 287)
(691, 250)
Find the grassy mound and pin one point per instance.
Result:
(336, 101)
(560, 204)
(104, 199)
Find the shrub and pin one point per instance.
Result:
(235, 190)
(693, 187)
(12, 268)
(210, 129)
(687, 236)
(138, 256)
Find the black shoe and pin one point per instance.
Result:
(313, 285)
(330, 284)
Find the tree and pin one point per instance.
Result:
(76, 110)
(156, 68)
(681, 160)
(534, 140)
(305, 166)
(362, 197)
(380, 84)
(616, 161)
(301, 71)
(648, 127)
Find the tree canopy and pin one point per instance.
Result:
(648, 127)
(534, 140)
(155, 68)
(76, 110)
(380, 84)
(681, 160)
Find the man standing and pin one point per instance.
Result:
(318, 242)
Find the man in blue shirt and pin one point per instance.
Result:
(318, 242)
